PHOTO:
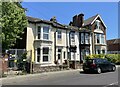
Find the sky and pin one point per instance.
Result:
(64, 11)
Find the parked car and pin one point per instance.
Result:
(98, 65)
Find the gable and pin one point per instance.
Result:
(101, 30)
(101, 21)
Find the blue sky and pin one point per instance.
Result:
(64, 11)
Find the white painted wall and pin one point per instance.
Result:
(77, 54)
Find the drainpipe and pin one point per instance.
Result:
(80, 46)
(67, 48)
(55, 46)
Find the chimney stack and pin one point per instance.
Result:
(75, 20)
(78, 20)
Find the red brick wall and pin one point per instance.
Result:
(3, 64)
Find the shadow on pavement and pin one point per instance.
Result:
(82, 72)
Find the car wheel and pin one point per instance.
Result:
(98, 70)
(113, 68)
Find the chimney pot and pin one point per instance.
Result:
(53, 19)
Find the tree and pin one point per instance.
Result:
(13, 22)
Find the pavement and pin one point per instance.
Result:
(40, 74)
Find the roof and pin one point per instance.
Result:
(113, 45)
(55, 24)
(37, 20)
(63, 26)
(92, 19)
(113, 41)
(89, 20)
(31, 19)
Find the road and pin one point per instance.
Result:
(72, 77)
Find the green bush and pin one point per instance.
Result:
(115, 58)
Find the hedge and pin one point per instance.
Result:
(115, 58)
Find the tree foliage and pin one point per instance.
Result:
(13, 22)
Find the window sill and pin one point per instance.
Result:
(43, 63)
(43, 40)
(100, 44)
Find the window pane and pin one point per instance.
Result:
(39, 29)
(58, 56)
(72, 35)
(38, 36)
(87, 38)
(45, 58)
(59, 34)
(45, 50)
(98, 51)
(98, 38)
(45, 29)
(38, 58)
(64, 55)
(38, 50)
(45, 36)
(102, 39)
(59, 31)
(82, 38)
(59, 50)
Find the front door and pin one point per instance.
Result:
(59, 56)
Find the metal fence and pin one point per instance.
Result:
(14, 55)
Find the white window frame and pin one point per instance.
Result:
(98, 36)
(82, 38)
(98, 24)
(38, 55)
(46, 55)
(46, 32)
(102, 39)
(38, 32)
(72, 35)
(59, 34)
(87, 38)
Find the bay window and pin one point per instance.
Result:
(43, 32)
(100, 39)
(85, 38)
